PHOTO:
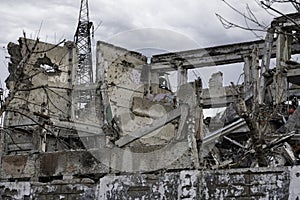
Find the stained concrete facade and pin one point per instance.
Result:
(260, 183)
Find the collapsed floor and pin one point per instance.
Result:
(130, 136)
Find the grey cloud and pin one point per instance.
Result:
(168, 40)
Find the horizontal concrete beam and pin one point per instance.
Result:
(211, 56)
(218, 97)
(293, 76)
(84, 129)
(218, 102)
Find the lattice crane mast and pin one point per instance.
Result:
(84, 70)
(82, 39)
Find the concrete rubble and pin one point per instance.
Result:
(136, 138)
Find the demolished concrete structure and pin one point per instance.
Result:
(136, 139)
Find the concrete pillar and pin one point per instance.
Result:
(265, 64)
(247, 74)
(280, 79)
(181, 75)
(255, 76)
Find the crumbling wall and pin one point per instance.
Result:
(40, 84)
(122, 69)
(137, 102)
(126, 90)
(44, 80)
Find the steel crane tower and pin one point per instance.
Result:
(82, 39)
(84, 70)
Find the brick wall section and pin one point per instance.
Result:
(256, 183)
(236, 184)
(64, 191)
(54, 191)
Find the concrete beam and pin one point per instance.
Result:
(293, 76)
(85, 129)
(222, 98)
(212, 56)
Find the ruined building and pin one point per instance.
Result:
(125, 134)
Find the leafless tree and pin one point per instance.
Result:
(252, 22)
(257, 117)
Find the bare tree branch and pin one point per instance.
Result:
(252, 19)
(282, 14)
(227, 25)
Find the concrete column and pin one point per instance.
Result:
(181, 75)
(280, 80)
(265, 64)
(247, 74)
(255, 75)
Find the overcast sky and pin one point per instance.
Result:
(155, 21)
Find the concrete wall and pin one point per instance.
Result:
(131, 89)
(40, 84)
(55, 165)
(43, 82)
